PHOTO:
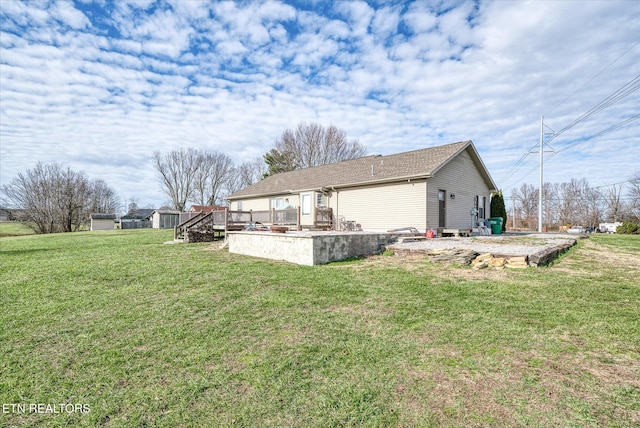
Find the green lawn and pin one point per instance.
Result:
(147, 334)
(15, 228)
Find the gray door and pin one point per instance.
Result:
(441, 208)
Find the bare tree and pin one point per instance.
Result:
(56, 199)
(177, 171)
(525, 202)
(102, 198)
(246, 174)
(211, 178)
(311, 145)
(634, 198)
(613, 204)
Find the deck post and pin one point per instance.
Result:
(226, 221)
(298, 219)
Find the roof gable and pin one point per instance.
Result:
(366, 170)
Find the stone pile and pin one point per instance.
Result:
(461, 256)
(488, 260)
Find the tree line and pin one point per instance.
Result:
(58, 199)
(54, 198)
(206, 178)
(576, 202)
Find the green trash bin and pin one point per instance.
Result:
(496, 225)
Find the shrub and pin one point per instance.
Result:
(498, 209)
(628, 228)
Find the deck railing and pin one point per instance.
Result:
(324, 218)
(236, 220)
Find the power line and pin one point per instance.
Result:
(627, 89)
(599, 134)
(621, 93)
(590, 80)
(630, 87)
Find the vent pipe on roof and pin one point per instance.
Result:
(381, 163)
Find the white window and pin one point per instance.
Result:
(239, 205)
(319, 200)
(277, 203)
(306, 204)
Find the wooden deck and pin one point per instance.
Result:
(221, 221)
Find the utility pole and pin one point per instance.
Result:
(540, 202)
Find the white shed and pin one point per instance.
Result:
(102, 221)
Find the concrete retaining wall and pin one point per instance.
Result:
(307, 248)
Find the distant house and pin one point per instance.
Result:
(164, 219)
(438, 187)
(138, 219)
(101, 221)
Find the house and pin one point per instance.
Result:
(164, 219)
(137, 219)
(446, 186)
(101, 221)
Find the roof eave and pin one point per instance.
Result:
(380, 181)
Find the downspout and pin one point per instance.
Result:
(426, 205)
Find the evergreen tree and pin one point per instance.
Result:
(498, 209)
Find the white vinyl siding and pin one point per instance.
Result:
(250, 204)
(383, 207)
(461, 178)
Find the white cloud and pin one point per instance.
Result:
(172, 75)
(385, 22)
(64, 12)
(419, 19)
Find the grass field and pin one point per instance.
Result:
(14, 228)
(146, 334)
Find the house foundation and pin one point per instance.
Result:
(308, 248)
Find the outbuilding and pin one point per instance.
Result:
(164, 219)
(100, 221)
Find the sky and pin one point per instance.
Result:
(100, 85)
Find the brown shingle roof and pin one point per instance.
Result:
(365, 170)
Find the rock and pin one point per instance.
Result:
(545, 256)
(483, 257)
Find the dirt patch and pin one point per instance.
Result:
(602, 254)
(600, 258)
